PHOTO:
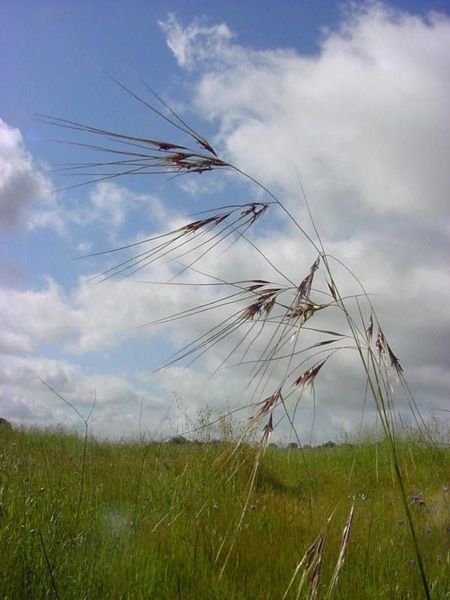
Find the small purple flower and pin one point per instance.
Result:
(417, 499)
(445, 489)
(252, 507)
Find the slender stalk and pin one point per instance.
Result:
(49, 567)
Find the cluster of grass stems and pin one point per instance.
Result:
(269, 318)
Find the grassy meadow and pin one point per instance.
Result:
(108, 520)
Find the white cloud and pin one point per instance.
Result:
(91, 318)
(93, 315)
(33, 317)
(107, 205)
(365, 122)
(197, 42)
(48, 216)
(84, 247)
(21, 182)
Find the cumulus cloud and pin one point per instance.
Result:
(21, 182)
(364, 122)
(87, 319)
(33, 317)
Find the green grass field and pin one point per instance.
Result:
(123, 520)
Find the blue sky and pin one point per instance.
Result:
(350, 98)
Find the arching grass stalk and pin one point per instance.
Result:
(269, 318)
(372, 368)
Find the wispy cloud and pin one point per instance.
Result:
(105, 204)
(196, 43)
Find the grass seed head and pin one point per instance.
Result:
(309, 376)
